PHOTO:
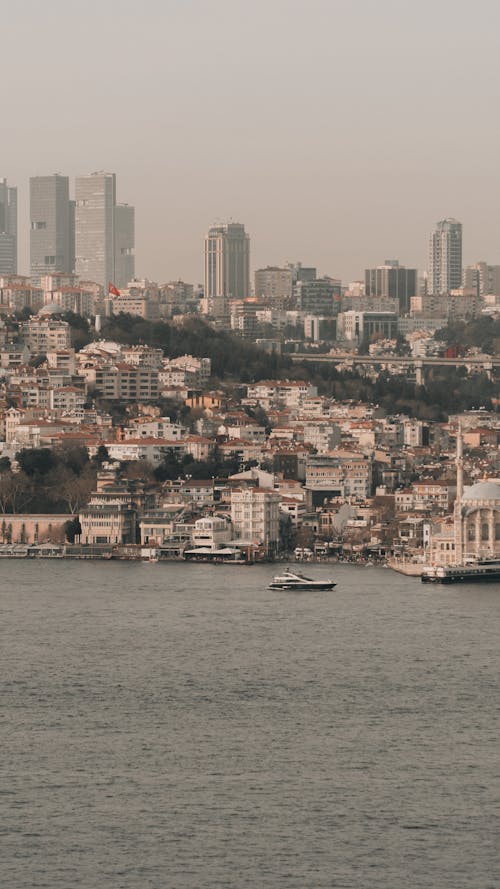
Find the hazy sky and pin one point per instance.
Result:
(338, 131)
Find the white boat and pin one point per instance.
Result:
(293, 580)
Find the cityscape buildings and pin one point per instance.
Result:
(445, 257)
(8, 229)
(52, 230)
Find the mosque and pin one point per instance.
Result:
(473, 532)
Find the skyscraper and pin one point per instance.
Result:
(51, 229)
(104, 232)
(124, 244)
(8, 229)
(227, 264)
(445, 257)
(95, 196)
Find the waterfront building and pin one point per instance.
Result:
(255, 516)
(445, 257)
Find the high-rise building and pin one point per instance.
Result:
(124, 245)
(8, 229)
(445, 257)
(392, 281)
(95, 227)
(52, 248)
(274, 285)
(320, 296)
(227, 264)
(483, 278)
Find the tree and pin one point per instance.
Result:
(72, 529)
(102, 455)
(15, 492)
(74, 457)
(75, 490)
(36, 461)
(4, 464)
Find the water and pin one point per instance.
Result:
(181, 726)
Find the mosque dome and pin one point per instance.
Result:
(50, 309)
(482, 491)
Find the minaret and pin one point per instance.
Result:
(458, 502)
(460, 463)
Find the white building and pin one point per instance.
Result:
(445, 257)
(255, 516)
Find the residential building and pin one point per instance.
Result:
(445, 257)
(51, 228)
(338, 474)
(274, 285)
(41, 335)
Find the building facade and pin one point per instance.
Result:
(95, 227)
(52, 248)
(124, 245)
(274, 285)
(445, 257)
(8, 229)
(255, 516)
(392, 281)
(227, 264)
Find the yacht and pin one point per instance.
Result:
(293, 580)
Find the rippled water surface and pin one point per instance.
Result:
(182, 726)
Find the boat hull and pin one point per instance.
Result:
(303, 586)
(467, 575)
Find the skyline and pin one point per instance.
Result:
(24, 254)
(337, 138)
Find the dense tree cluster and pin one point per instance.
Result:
(173, 467)
(48, 480)
(484, 333)
(231, 356)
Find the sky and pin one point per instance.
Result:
(337, 131)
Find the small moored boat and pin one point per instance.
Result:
(293, 580)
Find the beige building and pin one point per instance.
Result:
(274, 285)
(33, 528)
(255, 516)
(45, 334)
(103, 524)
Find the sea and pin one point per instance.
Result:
(182, 726)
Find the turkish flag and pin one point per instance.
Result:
(112, 289)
